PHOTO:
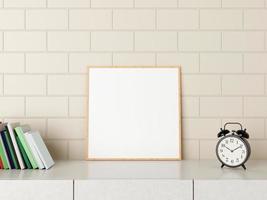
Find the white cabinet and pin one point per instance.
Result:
(141, 180)
(230, 189)
(36, 189)
(138, 189)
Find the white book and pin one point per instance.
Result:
(42, 149)
(15, 145)
(36, 156)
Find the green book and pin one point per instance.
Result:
(26, 147)
(23, 153)
(2, 155)
(12, 151)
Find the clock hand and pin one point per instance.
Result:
(237, 148)
(228, 148)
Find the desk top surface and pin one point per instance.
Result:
(180, 170)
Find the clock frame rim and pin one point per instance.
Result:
(245, 142)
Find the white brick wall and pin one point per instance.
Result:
(155, 41)
(85, 19)
(12, 19)
(45, 46)
(199, 41)
(216, 19)
(112, 41)
(138, 19)
(46, 19)
(24, 41)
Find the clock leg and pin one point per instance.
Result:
(222, 165)
(244, 167)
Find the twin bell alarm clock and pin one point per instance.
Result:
(233, 149)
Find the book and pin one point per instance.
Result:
(3, 155)
(3, 135)
(15, 145)
(41, 149)
(11, 150)
(1, 164)
(30, 142)
(24, 155)
(20, 133)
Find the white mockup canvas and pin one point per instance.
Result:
(134, 113)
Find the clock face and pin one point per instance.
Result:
(232, 151)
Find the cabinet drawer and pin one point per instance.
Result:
(36, 189)
(230, 189)
(133, 190)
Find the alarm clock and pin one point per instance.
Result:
(233, 149)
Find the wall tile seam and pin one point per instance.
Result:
(68, 153)
(243, 107)
(68, 63)
(184, 139)
(265, 47)
(134, 8)
(68, 107)
(123, 52)
(131, 51)
(25, 106)
(183, 73)
(37, 8)
(222, 118)
(138, 8)
(58, 140)
(199, 108)
(42, 73)
(3, 84)
(177, 40)
(44, 96)
(156, 19)
(3, 41)
(221, 85)
(47, 139)
(47, 116)
(264, 84)
(215, 137)
(264, 128)
(199, 149)
(224, 95)
(68, 19)
(112, 19)
(25, 20)
(39, 96)
(152, 30)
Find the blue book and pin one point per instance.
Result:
(3, 135)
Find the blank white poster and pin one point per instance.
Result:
(134, 113)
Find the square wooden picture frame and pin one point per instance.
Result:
(134, 113)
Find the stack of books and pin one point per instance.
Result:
(22, 148)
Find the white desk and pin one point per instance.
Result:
(136, 180)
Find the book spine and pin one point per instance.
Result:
(1, 164)
(15, 145)
(11, 149)
(34, 152)
(26, 147)
(4, 154)
(3, 135)
(23, 153)
(42, 150)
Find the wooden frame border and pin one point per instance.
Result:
(135, 159)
